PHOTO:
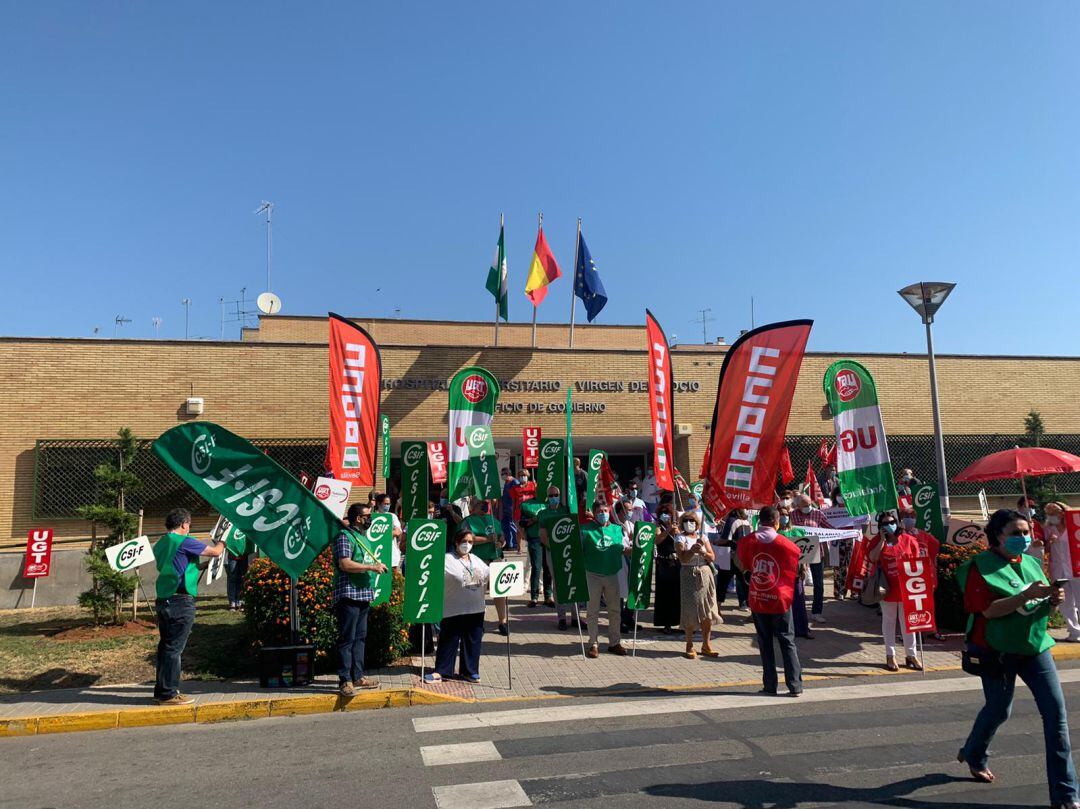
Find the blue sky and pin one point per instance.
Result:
(816, 156)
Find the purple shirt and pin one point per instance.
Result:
(189, 551)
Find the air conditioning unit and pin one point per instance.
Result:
(194, 406)
(684, 429)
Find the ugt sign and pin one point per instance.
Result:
(917, 594)
(38, 553)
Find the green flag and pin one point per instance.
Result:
(414, 480)
(385, 425)
(592, 476)
(251, 491)
(425, 560)
(862, 454)
(570, 494)
(474, 392)
(482, 465)
(496, 280)
(567, 557)
(927, 505)
(380, 538)
(550, 468)
(640, 579)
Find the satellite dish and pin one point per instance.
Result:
(268, 303)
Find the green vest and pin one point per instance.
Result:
(168, 583)
(1023, 631)
(481, 525)
(365, 580)
(530, 510)
(603, 547)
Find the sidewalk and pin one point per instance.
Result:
(546, 663)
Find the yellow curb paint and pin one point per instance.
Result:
(366, 701)
(73, 722)
(420, 696)
(151, 717)
(1066, 651)
(296, 706)
(18, 727)
(232, 711)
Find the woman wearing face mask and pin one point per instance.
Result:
(1026, 509)
(666, 611)
(887, 549)
(462, 626)
(1009, 601)
(1057, 544)
(725, 544)
(697, 590)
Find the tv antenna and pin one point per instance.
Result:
(704, 320)
(268, 209)
(186, 303)
(236, 311)
(268, 303)
(157, 326)
(120, 321)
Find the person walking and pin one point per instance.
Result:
(806, 515)
(772, 562)
(1008, 600)
(604, 545)
(887, 550)
(176, 556)
(1061, 569)
(354, 583)
(462, 627)
(697, 585)
(666, 611)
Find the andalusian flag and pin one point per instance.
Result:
(496, 280)
(543, 270)
(474, 392)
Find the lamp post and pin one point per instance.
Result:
(926, 297)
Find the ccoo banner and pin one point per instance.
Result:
(482, 462)
(425, 561)
(414, 480)
(530, 447)
(641, 560)
(661, 402)
(355, 382)
(567, 557)
(549, 471)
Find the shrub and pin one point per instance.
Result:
(949, 599)
(266, 605)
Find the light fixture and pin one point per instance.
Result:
(926, 297)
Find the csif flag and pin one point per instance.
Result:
(496, 280)
(355, 381)
(862, 454)
(543, 270)
(753, 400)
(587, 283)
(474, 392)
(661, 403)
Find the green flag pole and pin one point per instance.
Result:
(498, 298)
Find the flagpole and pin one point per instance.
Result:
(498, 298)
(539, 225)
(573, 286)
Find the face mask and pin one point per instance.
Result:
(384, 507)
(1051, 520)
(805, 509)
(691, 506)
(690, 526)
(839, 499)
(888, 527)
(784, 520)
(602, 517)
(1026, 512)
(909, 523)
(553, 502)
(786, 502)
(665, 518)
(1017, 544)
(633, 492)
(464, 548)
(443, 502)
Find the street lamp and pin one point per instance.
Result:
(926, 298)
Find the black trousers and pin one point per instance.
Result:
(175, 618)
(778, 627)
(352, 618)
(464, 632)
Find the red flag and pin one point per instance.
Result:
(917, 592)
(530, 446)
(787, 474)
(826, 454)
(607, 480)
(355, 382)
(661, 403)
(436, 453)
(753, 400)
(858, 568)
(813, 488)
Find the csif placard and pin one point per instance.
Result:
(641, 561)
(425, 562)
(414, 480)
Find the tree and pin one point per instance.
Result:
(1042, 489)
(105, 598)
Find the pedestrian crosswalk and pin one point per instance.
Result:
(887, 742)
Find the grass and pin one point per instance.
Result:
(33, 658)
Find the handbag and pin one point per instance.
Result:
(982, 662)
(875, 589)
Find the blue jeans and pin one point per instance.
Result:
(352, 618)
(235, 569)
(510, 534)
(817, 574)
(779, 627)
(538, 571)
(175, 618)
(1041, 677)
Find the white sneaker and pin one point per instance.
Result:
(817, 619)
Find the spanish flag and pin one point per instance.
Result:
(542, 271)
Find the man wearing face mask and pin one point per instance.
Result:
(539, 567)
(382, 504)
(604, 545)
(506, 509)
(354, 579)
(806, 515)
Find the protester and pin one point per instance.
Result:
(843, 554)
(650, 491)
(620, 512)
(806, 515)
(462, 625)
(666, 609)
(637, 505)
(904, 484)
(1026, 507)
(539, 570)
(383, 505)
(581, 480)
(771, 562)
(928, 550)
(176, 555)
(554, 503)
(506, 510)
(1009, 601)
(236, 565)
(354, 582)
(1061, 570)
(697, 585)
(800, 620)
(887, 550)
(725, 544)
(488, 547)
(604, 545)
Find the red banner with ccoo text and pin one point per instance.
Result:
(355, 382)
(661, 404)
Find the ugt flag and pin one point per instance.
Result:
(474, 392)
(587, 283)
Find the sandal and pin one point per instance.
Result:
(690, 654)
(709, 653)
(982, 776)
(434, 677)
(913, 663)
(890, 664)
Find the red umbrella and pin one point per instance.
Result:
(1020, 462)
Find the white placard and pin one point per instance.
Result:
(216, 569)
(507, 579)
(130, 554)
(334, 494)
(962, 532)
(984, 506)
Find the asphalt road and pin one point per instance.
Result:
(879, 741)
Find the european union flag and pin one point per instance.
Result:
(587, 283)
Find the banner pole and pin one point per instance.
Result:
(139, 586)
(498, 298)
(581, 637)
(33, 593)
(509, 667)
(294, 614)
(423, 650)
(922, 654)
(573, 286)
(637, 618)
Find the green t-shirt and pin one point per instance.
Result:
(603, 547)
(483, 525)
(530, 510)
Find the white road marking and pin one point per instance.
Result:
(668, 705)
(463, 753)
(485, 795)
